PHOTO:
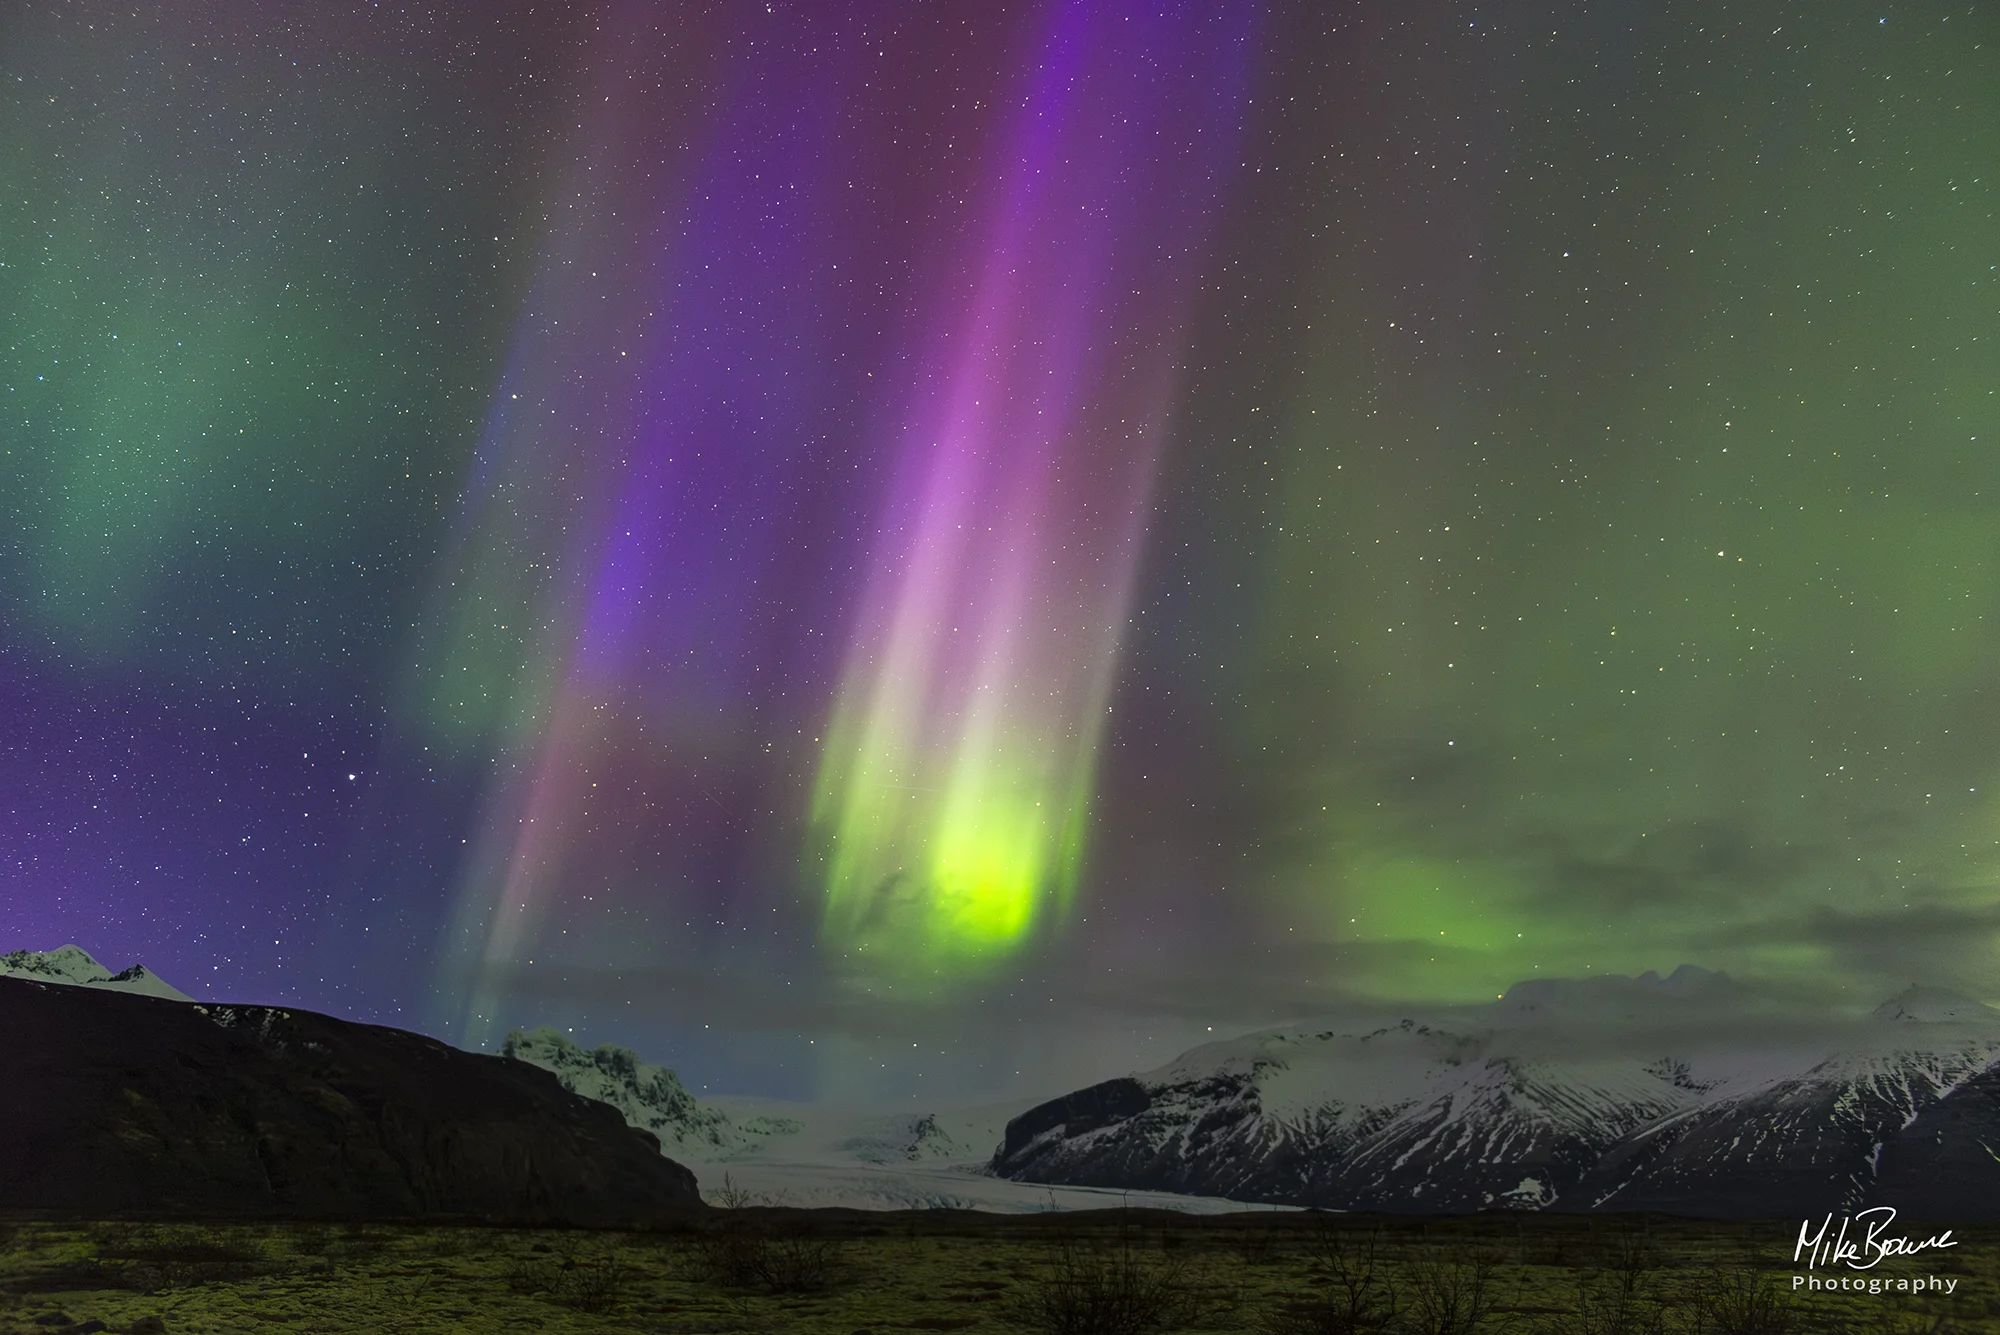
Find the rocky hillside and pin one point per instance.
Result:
(649, 1097)
(120, 1103)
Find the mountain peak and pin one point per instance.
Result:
(66, 964)
(650, 1097)
(73, 966)
(1932, 1005)
(1588, 997)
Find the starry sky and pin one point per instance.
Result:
(896, 550)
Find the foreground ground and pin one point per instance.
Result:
(1107, 1273)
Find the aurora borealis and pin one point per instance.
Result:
(956, 784)
(866, 548)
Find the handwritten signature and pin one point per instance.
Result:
(1870, 1245)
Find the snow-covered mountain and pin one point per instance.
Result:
(871, 1158)
(1933, 1005)
(1808, 1141)
(650, 1097)
(766, 1152)
(1607, 1093)
(72, 965)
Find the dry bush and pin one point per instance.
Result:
(1623, 1296)
(1556, 1249)
(1630, 1248)
(1449, 1297)
(729, 1196)
(1910, 1323)
(1621, 1302)
(594, 1285)
(798, 1262)
(526, 1274)
(586, 1283)
(753, 1255)
(1090, 1287)
(1355, 1296)
(153, 1258)
(1255, 1244)
(731, 1256)
(1742, 1303)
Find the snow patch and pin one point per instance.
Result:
(1935, 1005)
(73, 966)
(649, 1097)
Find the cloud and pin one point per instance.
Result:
(1881, 827)
(1706, 866)
(1249, 985)
(1953, 945)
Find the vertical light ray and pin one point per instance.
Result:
(956, 777)
(605, 600)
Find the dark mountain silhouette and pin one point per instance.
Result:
(120, 1103)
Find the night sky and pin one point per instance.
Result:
(913, 550)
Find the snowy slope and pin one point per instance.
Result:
(1935, 1005)
(863, 1158)
(73, 966)
(1807, 1141)
(649, 1097)
(1406, 1116)
(747, 1151)
(1609, 1093)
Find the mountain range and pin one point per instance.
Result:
(1682, 1094)
(1609, 1093)
(73, 965)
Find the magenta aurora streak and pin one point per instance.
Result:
(953, 799)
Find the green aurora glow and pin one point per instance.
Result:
(1628, 585)
(1564, 535)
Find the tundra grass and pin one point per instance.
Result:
(842, 1273)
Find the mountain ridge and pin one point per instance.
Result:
(649, 1097)
(1531, 1102)
(73, 966)
(142, 1104)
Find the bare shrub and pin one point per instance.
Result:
(1354, 1291)
(754, 1255)
(732, 1257)
(1256, 1245)
(1449, 1297)
(1911, 1323)
(1741, 1303)
(1090, 1287)
(586, 1283)
(158, 1257)
(592, 1285)
(730, 1196)
(1620, 1302)
(796, 1261)
(526, 1274)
